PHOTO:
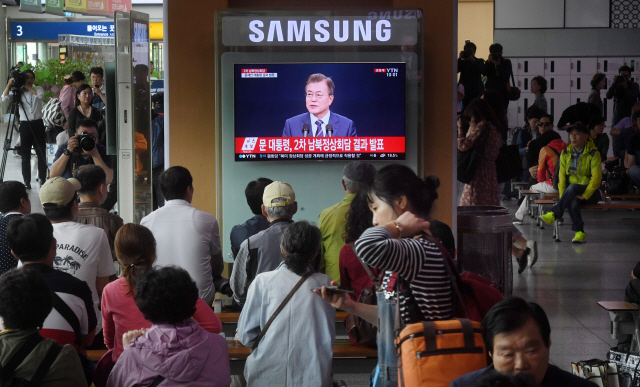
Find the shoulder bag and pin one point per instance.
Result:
(361, 332)
(513, 92)
(508, 163)
(277, 312)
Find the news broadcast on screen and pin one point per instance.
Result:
(319, 111)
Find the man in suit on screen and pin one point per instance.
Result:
(319, 121)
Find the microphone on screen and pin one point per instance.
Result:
(305, 130)
(329, 129)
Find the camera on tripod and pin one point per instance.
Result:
(86, 142)
(19, 80)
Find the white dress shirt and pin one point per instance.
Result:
(31, 103)
(325, 121)
(186, 237)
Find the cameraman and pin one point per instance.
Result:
(32, 130)
(470, 69)
(70, 156)
(624, 93)
(497, 70)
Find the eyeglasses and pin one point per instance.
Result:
(317, 95)
(544, 124)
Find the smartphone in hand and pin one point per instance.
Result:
(335, 289)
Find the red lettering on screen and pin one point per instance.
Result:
(253, 71)
(319, 145)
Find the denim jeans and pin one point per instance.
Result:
(569, 202)
(387, 354)
(634, 172)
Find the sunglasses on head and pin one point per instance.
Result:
(544, 124)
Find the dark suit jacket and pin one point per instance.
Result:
(342, 126)
(555, 377)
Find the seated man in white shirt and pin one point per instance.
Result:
(82, 250)
(185, 236)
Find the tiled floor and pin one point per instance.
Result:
(567, 281)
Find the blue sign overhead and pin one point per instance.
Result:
(51, 30)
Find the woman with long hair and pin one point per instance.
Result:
(83, 110)
(135, 249)
(401, 203)
(598, 82)
(67, 94)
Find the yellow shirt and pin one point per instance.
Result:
(331, 223)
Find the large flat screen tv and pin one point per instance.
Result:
(277, 118)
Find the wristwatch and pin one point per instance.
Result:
(66, 152)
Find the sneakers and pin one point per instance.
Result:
(533, 257)
(548, 218)
(522, 261)
(580, 237)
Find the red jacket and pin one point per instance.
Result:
(548, 159)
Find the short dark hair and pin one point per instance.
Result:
(534, 111)
(480, 110)
(596, 120)
(30, 237)
(494, 378)
(597, 78)
(11, 193)
(300, 243)
(625, 68)
(542, 82)
(29, 71)
(174, 182)
(315, 78)
(511, 314)
(87, 123)
(254, 192)
(495, 48)
(80, 89)
(77, 76)
(470, 45)
(25, 299)
(158, 98)
(55, 213)
(579, 127)
(97, 70)
(166, 296)
(90, 177)
(547, 115)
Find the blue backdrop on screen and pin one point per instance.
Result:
(375, 101)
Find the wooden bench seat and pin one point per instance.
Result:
(623, 196)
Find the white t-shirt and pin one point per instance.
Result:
(186, 237)
(83, 251)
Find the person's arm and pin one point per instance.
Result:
(71, 121)
(205, 317)
(562, 178)
(61, 160)
(604, 148)
(99, 93)
(542, 163)
(108, 325)
(5, 95)
(346, 303)
(474, 134)
(97, 160)
(101, 282)
(629, 160)
(596, 176)
(87, 339)
(105, 263)
(238, 278)
(611, 92)
(217, 263)
(249, 321)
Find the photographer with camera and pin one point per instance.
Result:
(470, 69)
(497, 69)
(21, 90)
(82, 149)
(624, 93)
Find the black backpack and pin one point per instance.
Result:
(618, 181)
(6, 373)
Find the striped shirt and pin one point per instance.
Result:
(91, 213)
(417, 261)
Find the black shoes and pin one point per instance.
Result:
(522, 261)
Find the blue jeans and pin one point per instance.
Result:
(387, 354)
(634, 172)
(569, 202)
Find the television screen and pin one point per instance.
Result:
(357, 113)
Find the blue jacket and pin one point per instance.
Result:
(555, 377)
(157, 137)
(524, 136)
(342, 126)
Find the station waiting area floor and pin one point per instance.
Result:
(567, 281)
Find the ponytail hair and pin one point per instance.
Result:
(394, 181)
(135, 249)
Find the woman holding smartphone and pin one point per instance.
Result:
(401, 203)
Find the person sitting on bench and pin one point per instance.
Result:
(579, 180)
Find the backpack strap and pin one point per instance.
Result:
(65, 311)
(157, 381)
(45, 365)
(277, 312)
(9, 369)
(374, 280)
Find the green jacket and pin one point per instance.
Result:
(589, 169)
(66, 371)
(331, 223)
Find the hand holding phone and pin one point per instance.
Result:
(334, 289)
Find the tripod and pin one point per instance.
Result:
(14, 111)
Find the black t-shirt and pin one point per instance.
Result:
(632, 146)
(75, 118)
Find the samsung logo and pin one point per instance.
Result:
(320, 31)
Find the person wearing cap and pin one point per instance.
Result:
(356, 178)
(14, 203)
(579, 180)
(185, 236)
(261, 252)
(82, 250)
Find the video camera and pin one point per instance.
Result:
(20, 78)
(86, 141)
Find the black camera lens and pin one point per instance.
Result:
(86, 141)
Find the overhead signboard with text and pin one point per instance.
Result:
(50, 30)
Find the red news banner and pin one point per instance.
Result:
(257, 145)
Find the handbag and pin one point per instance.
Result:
(601, 372)
(513, 92)
(508, 163)
(362, 332)
(468, 162)
(277, 312)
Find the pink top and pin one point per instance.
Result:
(67, 99)
(120, 314)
